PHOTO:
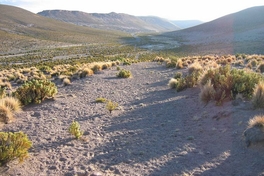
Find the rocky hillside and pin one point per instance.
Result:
(112, 21)
(240, 32)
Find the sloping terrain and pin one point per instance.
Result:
(156, 131)
(21, 29)
(240, 32)
(186, 23)
(112, 21)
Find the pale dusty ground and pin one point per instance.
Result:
(155, 132)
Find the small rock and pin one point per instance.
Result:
(53, 167)
(96, 174)
(190, 138)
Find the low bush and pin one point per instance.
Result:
(74, 130)
(228, 82)
(110, 106)
(35, 91)
(124, 74)
(13, 146)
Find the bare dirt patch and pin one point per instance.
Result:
(155, 131)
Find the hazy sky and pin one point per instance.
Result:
(204, 10)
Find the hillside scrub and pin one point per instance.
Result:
(227, 82)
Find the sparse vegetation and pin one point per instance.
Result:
(13, 146)
(110, 106)
(75, 130)
(35, 91)
(258, 95)
(124, 74)
(100, 100)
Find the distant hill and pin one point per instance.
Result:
(160, 23)
(112, 21)
(183, 24)
(20, 28)
(240, 32)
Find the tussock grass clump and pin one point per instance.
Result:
(66, 81)
(258, 95)
(12, 103)
(255, 131)
(207, 92)
(179, 64)
(13, 146)
(171, 64)
(86, 72)
(124, 74)
(96, 68)
(195, 67)
(6, 115)
(173, 83)
(257, 121)
(177, 75)
(260, 67)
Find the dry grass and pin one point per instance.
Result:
(257, 121)
(66, 81)
(12, 103)
(258, 95)
(173, 83)
(6, 116)
(195, 67)
(207, 92)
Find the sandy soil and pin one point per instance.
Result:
(155, 131)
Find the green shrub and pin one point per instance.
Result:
(13, 146)
(227, 82)
(35, 91)
(124, 74)
(110, 106)
(75, 130)
(100, 100)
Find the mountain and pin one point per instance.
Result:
(160, 23)
(240, 32)
(183, 24)
(20, 28)
(112, 21)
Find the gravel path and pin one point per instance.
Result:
(155, 131)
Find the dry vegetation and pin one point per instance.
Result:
(220, 78)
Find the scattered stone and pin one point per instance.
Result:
(190, 138)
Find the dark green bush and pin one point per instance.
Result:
(35, 91)
(13, 146)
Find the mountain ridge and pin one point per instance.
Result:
(112, 21)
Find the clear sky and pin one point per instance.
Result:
(204, 10)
